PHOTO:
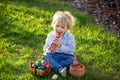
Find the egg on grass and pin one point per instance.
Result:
(55, 77)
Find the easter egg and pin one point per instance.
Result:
(34, 66)
(45, 65)
(78, 67)
(48, 66)
(41, 67)
(42, 61)
(38, 63)
(54, 77)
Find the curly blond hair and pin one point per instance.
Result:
(64, 17)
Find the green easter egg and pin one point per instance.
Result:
(38, 63)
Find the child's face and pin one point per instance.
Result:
(60, 28)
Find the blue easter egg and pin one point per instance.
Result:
(41, 67)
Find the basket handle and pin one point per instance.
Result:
(76, 59)
(44, 57)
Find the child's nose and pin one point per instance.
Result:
(59, 28)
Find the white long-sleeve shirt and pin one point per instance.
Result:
(67, 40)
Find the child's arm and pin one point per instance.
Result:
(47, 42)
(55, 43)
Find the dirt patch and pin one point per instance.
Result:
(104, 12)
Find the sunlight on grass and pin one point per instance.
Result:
(25, 76)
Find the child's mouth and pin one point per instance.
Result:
(59, 34)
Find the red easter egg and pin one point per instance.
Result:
(45, 65)
(78, 67)
(48, 66)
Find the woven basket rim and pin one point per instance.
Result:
(83, 67)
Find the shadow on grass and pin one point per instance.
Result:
(23, 37)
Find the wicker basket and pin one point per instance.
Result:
(77, 72)
(36, 71)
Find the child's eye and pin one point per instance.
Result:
(57, 25)
(62, 26)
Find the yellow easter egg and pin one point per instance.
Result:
(54, 77)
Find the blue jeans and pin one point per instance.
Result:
(58, 60)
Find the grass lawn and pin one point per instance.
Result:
(24, 25)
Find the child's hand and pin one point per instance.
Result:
(52, 48)
(54, 45)
(57, 42)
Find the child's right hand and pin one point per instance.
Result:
(54, 45)
(52, 48)
(57, 42)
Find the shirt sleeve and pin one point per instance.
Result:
(69, 46)
(47, 42)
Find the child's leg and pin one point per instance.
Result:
(53, 59)
(66, 60)
(63, 59)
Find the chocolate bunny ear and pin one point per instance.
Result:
(58, 34)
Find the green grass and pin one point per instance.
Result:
(24, 25)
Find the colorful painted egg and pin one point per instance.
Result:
(55, 77)
(34, 66)
(45, 65)
(41, 67)
(38, 63)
